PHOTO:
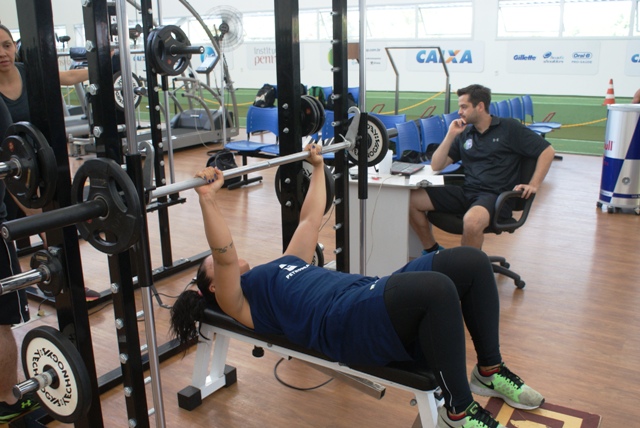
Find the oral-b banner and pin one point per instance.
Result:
(458, 56)
(632, 60)
(553, 57)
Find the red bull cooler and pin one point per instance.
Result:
(620, 184)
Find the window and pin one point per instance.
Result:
(567, 18)
(434, 20)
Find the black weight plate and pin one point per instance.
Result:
(119, 94)
(52, 286)
(318, 256)
(120, 228)
(321, 115)
(23, 184)
(45, 348)
(377, 142)
(160, 42)
(302, 185)
(308, 115)
(47, 165)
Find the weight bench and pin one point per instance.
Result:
(207, 380)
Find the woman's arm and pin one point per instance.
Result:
(226, 267)
(304, 240)
(71, 77)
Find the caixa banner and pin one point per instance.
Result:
(632, 60)
(458, 56)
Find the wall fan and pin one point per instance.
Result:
(227, 26)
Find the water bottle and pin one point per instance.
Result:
(385, 166)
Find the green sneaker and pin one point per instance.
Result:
(10, 412)
(475, 417)
(508, 386)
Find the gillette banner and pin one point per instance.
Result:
(553, 57)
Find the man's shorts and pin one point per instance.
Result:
(14, 308)
(456, 200)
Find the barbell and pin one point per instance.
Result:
(47, 272)
(56, 374)
(108, 213)
(28, 165)
(377, 143)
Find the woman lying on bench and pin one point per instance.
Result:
(415, 314)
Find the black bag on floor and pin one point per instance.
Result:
(224, 159)
(266, 96)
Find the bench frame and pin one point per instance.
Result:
(211, 373)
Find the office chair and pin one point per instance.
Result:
(258, 119)
(452, 223)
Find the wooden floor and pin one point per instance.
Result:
(573, 332)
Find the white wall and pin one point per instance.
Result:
(496, 71)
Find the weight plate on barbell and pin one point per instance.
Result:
(302, 185)
(119, 94)
(119, 229)
(318, 255)
(377, 141)
(35, 185)
(52, 286)
(309, 116)
(322, 115)
(68, 398)
(160, 42)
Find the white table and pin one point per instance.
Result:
(390, 241)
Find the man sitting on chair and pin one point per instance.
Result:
(490, 150)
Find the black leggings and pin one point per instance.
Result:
(427, 309)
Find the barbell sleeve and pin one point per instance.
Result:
(62, 217)
(173, 188)
(11, 167)
(185, 50)
(37, 382)
(24, 279)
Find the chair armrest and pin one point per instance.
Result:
(511, 224)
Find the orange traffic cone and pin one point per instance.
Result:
(610, 98)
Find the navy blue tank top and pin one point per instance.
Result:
(339, 314)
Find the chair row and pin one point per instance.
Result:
(519, 108)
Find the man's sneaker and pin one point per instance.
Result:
(425, 252)
(475, 417)
(10, 412)
(508, 386)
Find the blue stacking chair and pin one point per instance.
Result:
(449, 117)
(517, 110)
(493, 109)
(355, 92)
(504, 109)
(258, 119)
(389, 121)
(408, 138)
(527, 104)
(432, 130)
